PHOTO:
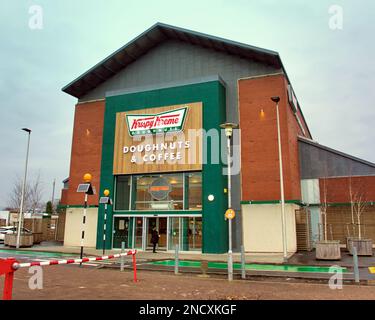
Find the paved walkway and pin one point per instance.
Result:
(276, 258)
(302, 259)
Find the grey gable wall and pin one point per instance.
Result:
(317, 163)
(175, 62)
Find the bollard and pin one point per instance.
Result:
(243, 262)
(176, 261)
(355, 264)
(134, 268)
(6, 268)
(204, 269)
(122, 257)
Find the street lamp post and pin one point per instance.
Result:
(88, 189)
(276, 99)
(107, 201)
(228, 133)
(23, 190)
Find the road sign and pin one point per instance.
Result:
(230, 214)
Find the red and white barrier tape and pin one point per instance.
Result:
(71, 261)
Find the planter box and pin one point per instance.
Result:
(328, 250)
(26, 240)
(364, 246)
(38, 238)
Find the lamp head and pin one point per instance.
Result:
(275, 99)
(27, 130)
(229, 126)
(106, 192)
(87, 177)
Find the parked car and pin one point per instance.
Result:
(9, 230)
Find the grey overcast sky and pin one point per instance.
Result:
(332, 70)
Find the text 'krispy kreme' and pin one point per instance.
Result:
(171, 121)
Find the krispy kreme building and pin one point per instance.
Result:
(147, 127)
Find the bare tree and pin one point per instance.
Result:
(15, 195)
(324, 207)
(351, 196)
(359, 205)
(33, 194)
(36, 191)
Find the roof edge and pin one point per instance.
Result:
(170, 27)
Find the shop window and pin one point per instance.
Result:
(159, 192)
(123, 193)
(170, 191)
(195, 191)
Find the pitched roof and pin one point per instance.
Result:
(155, 35)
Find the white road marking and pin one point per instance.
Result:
(86, 264)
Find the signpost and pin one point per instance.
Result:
(107, 201)
(88, 189)
(228, 133)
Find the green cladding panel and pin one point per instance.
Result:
(212, 95)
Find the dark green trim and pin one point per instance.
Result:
(298, 202)
(339, 204)
(186, 192)
(157, 213)
(331, 204)
(345, 204)
(313, 204)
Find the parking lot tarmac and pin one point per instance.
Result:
(75, 283)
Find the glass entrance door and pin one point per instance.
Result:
(138, 233)
(186, 232)
(122, 232)
(161, 226)
(174, 233)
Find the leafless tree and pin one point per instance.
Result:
(15, 195)
(358, 204)
(324, 207)
(351, 196)
(35, 193)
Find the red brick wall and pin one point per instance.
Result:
(338, 188)
(259, 154)
(64, 197)
(86, 149)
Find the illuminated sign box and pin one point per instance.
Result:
(161, 139)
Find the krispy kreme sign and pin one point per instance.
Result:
(170, 121)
